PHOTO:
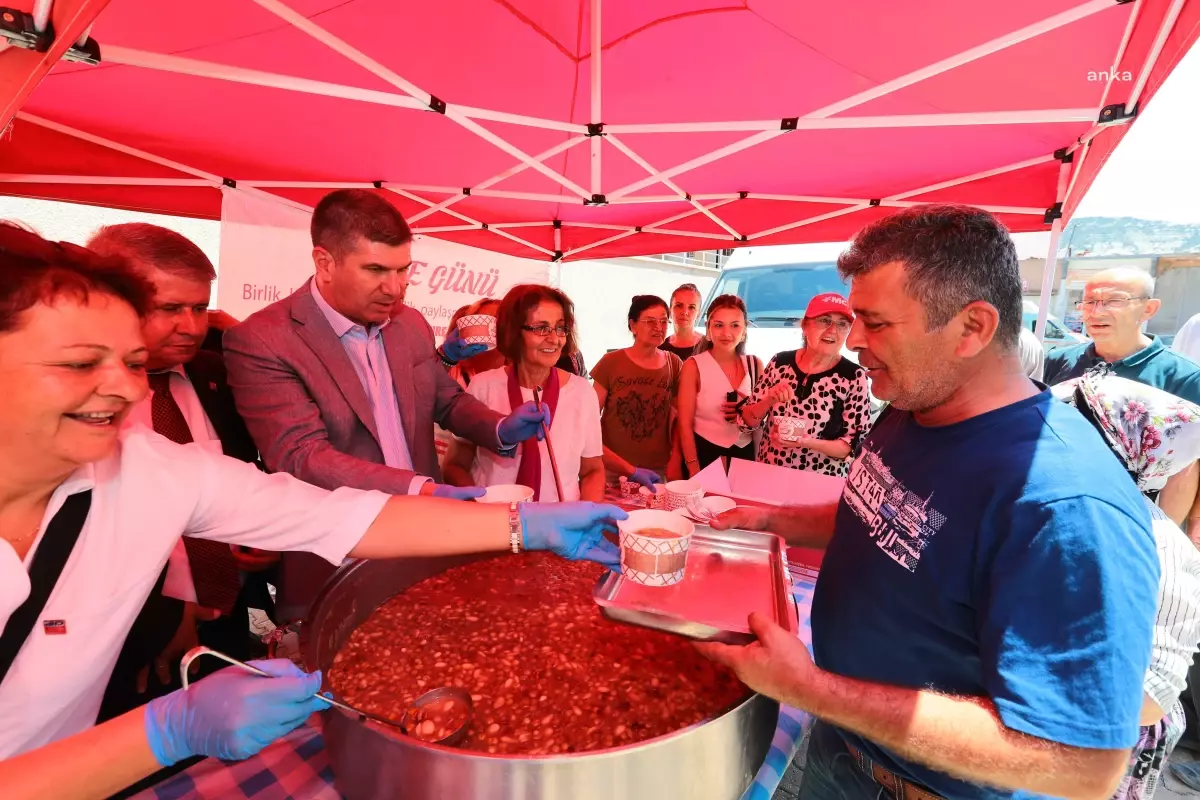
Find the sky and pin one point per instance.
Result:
(1155, 172)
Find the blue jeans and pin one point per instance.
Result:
(831, 773)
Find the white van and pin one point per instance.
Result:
(776, 296)
(1057, 333)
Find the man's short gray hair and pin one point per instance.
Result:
(952, 256)
(154, 247)
(1142, 281)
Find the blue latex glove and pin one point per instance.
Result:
(574, 531)
(231, 714)
(523, 423)
(458, 492)
(645, 477)
(456, 350)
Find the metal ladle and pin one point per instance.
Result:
(196, 652)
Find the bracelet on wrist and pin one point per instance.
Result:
(516, 536)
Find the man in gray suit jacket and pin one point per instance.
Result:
(340, 384)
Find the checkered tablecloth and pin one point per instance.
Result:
(297, 768)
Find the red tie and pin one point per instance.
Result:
(214, 571)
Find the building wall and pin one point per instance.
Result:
(71, 222)
(602, 290)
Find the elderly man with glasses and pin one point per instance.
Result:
(1116, 304)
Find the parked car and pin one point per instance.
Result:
(776, 297)
(1057, 333)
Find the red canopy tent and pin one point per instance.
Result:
(585, 129)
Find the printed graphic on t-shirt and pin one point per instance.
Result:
(900, 522)
(643, 417)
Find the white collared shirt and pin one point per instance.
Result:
(179, 583)
(364, 347)
(144, 496)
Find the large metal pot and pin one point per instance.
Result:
(715, 760)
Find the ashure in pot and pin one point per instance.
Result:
(713, 760)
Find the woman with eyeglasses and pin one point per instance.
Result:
(813, 404)
(637, 389)
(714, 383)
(534, 329)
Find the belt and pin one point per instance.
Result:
(897, 786)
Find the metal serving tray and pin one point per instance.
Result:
(729, 574)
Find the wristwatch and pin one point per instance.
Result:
(447, 363)
(516, 538)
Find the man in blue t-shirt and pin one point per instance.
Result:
(983, 617)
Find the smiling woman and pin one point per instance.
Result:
(66, 395)
(534, 330)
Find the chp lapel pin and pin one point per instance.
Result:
(54, 627)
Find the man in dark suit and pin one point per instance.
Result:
(202, 595)
(340, 384)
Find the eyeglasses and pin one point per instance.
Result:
(840, 323)
(545, 330)
(1114, 303)
(661, 322)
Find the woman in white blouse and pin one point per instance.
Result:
(536, 327)
(713, 384)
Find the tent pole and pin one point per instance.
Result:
(597, 117)
(1164, 30)
(1064, 179)
(132, 57)
(105, 180)
(1048, 273)
(24, 69)
(41, 14)
(1030, 116)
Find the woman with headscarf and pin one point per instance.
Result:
(1154, 434)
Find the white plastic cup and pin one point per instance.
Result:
(790, 429)
(680, 492)
(477, 329)
(507, 493)
(655, 559)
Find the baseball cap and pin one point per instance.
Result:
(829, 303)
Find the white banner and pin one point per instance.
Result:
(266, 254)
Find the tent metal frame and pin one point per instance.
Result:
(597, 132)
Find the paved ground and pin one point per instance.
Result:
(1169, 789)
